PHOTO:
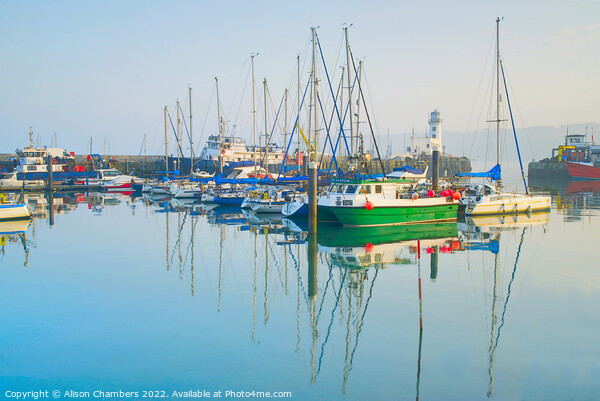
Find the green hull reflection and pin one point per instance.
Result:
(335, 235)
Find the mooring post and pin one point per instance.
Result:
(49, 173)
(434, 263)
(435, 165)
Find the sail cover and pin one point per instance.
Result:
(493, 174)
(409, 169)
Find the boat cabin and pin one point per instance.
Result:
(479, 190)
(108, 174)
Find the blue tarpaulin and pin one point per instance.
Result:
(493, 174)
(409, 169)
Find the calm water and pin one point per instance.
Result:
(128, 294)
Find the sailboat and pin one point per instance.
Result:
(482, 199)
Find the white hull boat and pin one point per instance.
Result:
(14, 211)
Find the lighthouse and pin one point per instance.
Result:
(435, 131)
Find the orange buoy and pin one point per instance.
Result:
(456, 195)
(369, 205)
(369, 247)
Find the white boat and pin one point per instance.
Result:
(14, 211)
(482, 199)
(235, 149)
(409, 173)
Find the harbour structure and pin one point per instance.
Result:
(578, 159)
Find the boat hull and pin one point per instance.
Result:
(300, 210)
(228, 200)
(334, 235)
(360, 216)
(266, 207)
(14, 212)
(503, 205)
(583, 172)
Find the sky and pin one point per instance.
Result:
(105, 70)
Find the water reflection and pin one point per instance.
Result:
(483, 234)
(330, 282)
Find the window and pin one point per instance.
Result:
(377, 189)
(351, 189)
(365, 189)
(433, 128)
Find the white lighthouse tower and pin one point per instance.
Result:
(435, 131)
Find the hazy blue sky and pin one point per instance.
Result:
(107, 68)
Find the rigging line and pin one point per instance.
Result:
(175, 133)
(270, 137)
(325, 293)
(178, 237)
(509, 287)
(238, 87)
(342, 133)
(297, 267)
(513, 127)
(367, 113)
(362, 320)
(364, 75)
(531, 148)
(337, 301)
(210, 102)
(277, 265)
(276, 122)
(296, 126)
(185, 124)
(331, 90)
(235, 120)
(478, 89)
(328, 137)
(485, 96)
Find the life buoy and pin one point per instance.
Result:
(222, 151)
(54, 161)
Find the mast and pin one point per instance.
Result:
(499, 182)
(298, 125)
(254, 110)
(349, 91)
(166, 143)
(285, 122)
(178, 136)
(266, 131)
(360, 63)
(313, 156)
(342, 95)
(220, 128)
(191, 140)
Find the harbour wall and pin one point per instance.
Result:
(144, 166)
